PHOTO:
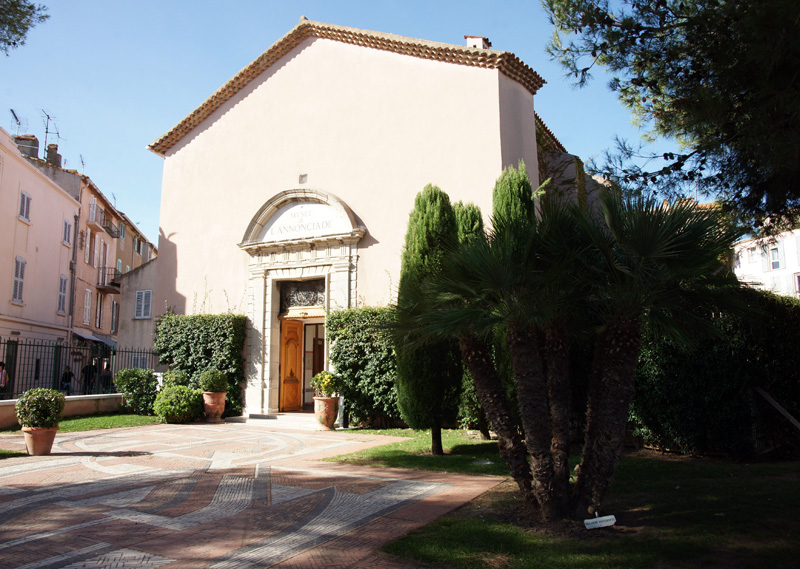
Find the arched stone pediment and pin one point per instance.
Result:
(300, 216)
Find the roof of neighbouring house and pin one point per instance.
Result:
(504, 61)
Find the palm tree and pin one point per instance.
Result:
(646, 259)
(520, 276)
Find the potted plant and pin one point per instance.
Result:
(326, 403)
(39, 411)
(214, 384)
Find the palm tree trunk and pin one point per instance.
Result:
(556, 352)
(610, 391)
(492, 396)
(532, 397)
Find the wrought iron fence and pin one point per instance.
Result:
(81, 368)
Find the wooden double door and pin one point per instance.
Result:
(292, 369)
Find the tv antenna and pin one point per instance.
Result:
(47, 120)
(20, 123)
(83, 164)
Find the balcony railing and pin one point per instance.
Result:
(110, 227)
(108, 279)
(99, 219)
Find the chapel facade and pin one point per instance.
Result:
(286, 193)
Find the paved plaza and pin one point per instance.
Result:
(224, 496)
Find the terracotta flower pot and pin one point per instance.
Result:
(213, 405)
(326, 409)
(39, 440)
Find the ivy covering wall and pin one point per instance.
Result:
(362, 354)
(196, 343)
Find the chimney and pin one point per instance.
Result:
(53, 157)
(478, 41)
(28, 145)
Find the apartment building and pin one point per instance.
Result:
(770, 263)
(37, 242)
(105, 245)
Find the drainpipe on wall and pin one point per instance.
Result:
(73, 265)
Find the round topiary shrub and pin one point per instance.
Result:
(40, 407)
(179, 404)
(176, 377)
(214, 381)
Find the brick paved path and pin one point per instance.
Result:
(226, 496)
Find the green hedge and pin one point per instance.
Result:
(196, 343)
(138, 388)
(362, 353)
(702, 399)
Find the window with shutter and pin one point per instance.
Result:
(62, 294)
(114, 316)
(25, 206)
(87, 305)
(67, 237)
(19, 279)
(143, 298)
(87, 251)
(98, 316)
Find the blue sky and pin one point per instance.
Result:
(117, 75)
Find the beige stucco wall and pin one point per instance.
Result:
(38, 241)
(136, 332)
(368, 126)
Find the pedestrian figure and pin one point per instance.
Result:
(3, 379)
(88, 372)
(105, 379)
(66, 380)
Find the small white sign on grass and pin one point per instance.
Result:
(601, 522)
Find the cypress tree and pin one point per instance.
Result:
(428, 376)
(469, 222)
(513, 195)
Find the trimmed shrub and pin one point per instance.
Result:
(179, 404)
(702, 399)
(138, 388)
(40, 407)
(178, 377)
(362, 353)
(214, 381)
(196, 343)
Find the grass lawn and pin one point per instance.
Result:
(90, 423)
(672, 512)
(466, 454)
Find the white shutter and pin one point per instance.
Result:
(86, 247)
(143, 300)
(765, 261)
(25, 206)
(87, 306)
(781, 256)
(96, 252)
(19, 279)
(62, 294)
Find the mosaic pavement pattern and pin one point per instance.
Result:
(180, 497)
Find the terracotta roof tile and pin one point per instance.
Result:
(506, 62)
